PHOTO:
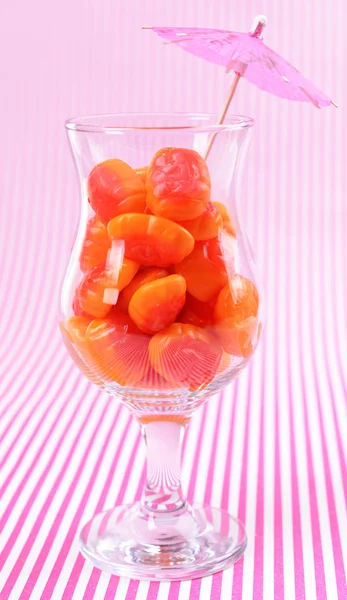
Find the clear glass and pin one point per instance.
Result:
(160, 307)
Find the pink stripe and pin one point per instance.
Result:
(238, 567)
(195, 589)
(174, 591)
(278, 534)
(216, 588)
(153, 590)
(259, 532)
(132, 590)
(296, 518)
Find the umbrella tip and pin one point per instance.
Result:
(259, 22)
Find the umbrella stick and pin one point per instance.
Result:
(224, 111)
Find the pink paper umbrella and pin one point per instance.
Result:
(248, 56)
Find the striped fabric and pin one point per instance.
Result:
(272, 450)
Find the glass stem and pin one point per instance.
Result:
(163, 492)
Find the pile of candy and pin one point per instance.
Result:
(159, 304)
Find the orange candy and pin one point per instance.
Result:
(96, 244)
(196, 312)
(228, 225)
(119, 349)
(207, 225)
(155, 305)
(178, 184)
(142, 277)
(150, 240)
(235, 316)
(115, 188)
(185, 355)
(74, 335)
(204, 270)
(99, 289)
(142, 173)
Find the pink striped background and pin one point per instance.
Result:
(279, 459)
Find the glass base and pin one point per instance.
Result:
(183, 544)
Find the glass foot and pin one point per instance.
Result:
(184, 544)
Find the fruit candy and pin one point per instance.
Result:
(95, 245)
(178, 184)
(150, 240)
(115, 188)
(228, 225)
(185, 355)
(156, 304)
(144, 276)
(235, 316)
(196, 312)
(207, 225)
(119, 349)
(99, 289)
(74, 336)
(204, 270)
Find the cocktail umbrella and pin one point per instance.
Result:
(248, 56)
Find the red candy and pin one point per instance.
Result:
(115, 188)
(98, 290)
(178, 184)
(95, 246)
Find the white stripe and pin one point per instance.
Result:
(205, 590)
(142, 590)
(184, 591)
(163, 591)
(121, 589)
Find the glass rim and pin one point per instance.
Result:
(233, 122)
